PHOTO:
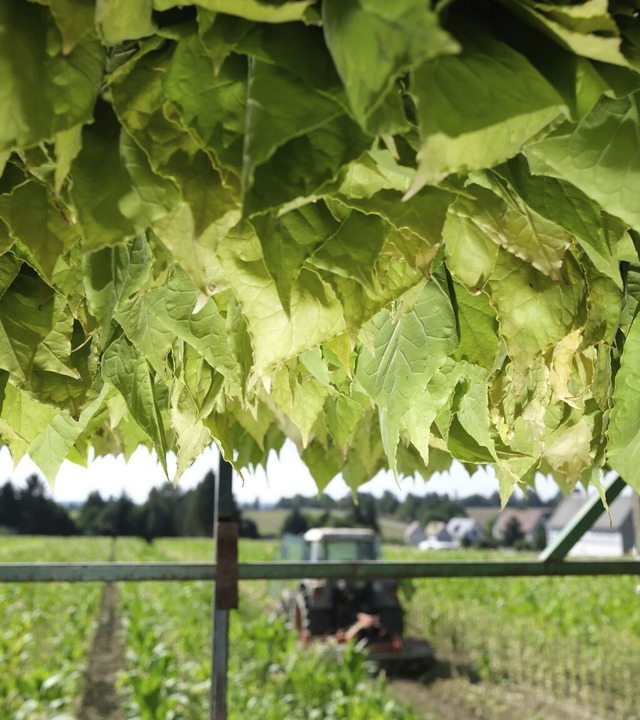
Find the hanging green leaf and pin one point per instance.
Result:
(373, 44)
(129, 373)
(52, 89)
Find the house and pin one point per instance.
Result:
(437, 530)
(484, 516)
(530, 521)
(438, 537)
(434, 544)
(608, 537)
(414, 534)
(465, 530)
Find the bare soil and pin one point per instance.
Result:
(100, 700)
(454, 693)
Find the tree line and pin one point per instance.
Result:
(167, 512)
(364, 509)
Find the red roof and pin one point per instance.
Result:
(529, 519)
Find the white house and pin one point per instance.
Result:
(606, 538)
(465, 529)
(414, 534)
(438, 537)
(437, 530)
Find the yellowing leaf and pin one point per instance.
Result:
(569, 452)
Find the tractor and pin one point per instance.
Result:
(361, 610)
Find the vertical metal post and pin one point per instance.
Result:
(225, 596)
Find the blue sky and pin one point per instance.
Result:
(285, 475)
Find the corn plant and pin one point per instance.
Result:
(46, 633)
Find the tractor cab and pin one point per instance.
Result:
(340, 545)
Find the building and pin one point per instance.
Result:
(414, 534)
(612, 535)
(484, 516)
(530, 521)
(465, 530)
(437, 530)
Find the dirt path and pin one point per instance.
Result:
(447, 695)
(100, 700)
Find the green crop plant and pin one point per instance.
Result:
(570, 637)
(167, 635)
(168, 665)
(272, 676)
(46, 632)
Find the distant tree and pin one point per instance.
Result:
(409, 509)
(313, 501)
(364, 512)
(539, 541)
(37, 514)
(60, 522)
(197, 508)
(160, 520)
(533, 499)
(199, 504)
(122, 517)
(295, 523)
(388, 503)
(30, 510)
(9, 507)
(512, 532)
(327, 502)
(33, 507)
(487, 542)
(249, 529)
(478, 500)
(323, 519)
(91, 519)
(440, 508)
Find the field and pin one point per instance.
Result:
(45, 633)
(536, 648)
(572, 639)
(152, 642)
(270, 523)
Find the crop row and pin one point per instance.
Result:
(575, 638)
(168, 638)
(45, 634)
(165, 673)
(569, 637)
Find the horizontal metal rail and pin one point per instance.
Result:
(144, 572)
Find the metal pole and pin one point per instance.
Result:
(225, 596)
(581, 523)
(362, 571)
